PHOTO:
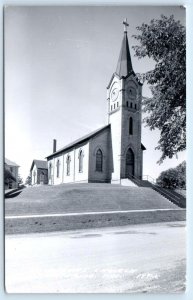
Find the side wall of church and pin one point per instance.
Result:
(103, 142)
(73, 174)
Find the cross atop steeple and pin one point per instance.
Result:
(125, 25)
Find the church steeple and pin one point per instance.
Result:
(124, 65)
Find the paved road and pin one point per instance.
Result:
(135, 258)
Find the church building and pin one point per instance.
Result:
(114, 152)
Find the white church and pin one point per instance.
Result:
(114, 152)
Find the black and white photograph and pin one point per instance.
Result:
(95, 149)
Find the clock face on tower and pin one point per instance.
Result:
(114, 94)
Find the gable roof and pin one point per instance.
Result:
(40, 164)
(10, 163)
(79, 141)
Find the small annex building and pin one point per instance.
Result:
(113, 152)
(39, 172)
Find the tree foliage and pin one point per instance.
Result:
(20, 179)
(164, 41)
(174, 177)
(28, 180)
(8, 175)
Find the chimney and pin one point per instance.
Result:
(54, 146)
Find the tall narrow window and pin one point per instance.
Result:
(99, 160)
(130, 125)
(127, 103)
(117, 104)
(135, 106)
(58, 168)
(131, 104)
(80, 161)
(68, 159)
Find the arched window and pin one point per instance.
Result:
(58, 168)
(50, 170)
(68, 160)
(130, 126)
(99, 160)
(81, 155)
(131, 104)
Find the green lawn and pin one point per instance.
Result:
(90, 197)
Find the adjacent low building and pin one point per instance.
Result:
(39, 172)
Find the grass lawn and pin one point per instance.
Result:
(66, 198)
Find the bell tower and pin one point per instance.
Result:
(124, 95)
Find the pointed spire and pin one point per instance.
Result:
(124, 65)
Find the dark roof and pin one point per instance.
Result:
(124, 65)
(79, 141)
(10, 163)
(40, 164)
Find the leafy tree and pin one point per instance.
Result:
(28, 180)
(20, 180)
(174, 177)
(164, 41)
(8, 175)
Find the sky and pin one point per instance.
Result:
(58, 63)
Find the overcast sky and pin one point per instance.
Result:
(58, 63)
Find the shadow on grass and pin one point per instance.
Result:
(14, 194)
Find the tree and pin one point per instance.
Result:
(174, 177)
(8, 175)
(20, 180)
(28, 180)
(164, 41)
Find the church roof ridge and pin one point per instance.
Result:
(78, 141)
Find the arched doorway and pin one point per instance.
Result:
(129, 163)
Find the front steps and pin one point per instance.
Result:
(171, 195)
(128, 182)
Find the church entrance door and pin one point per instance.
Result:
(129, 163)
